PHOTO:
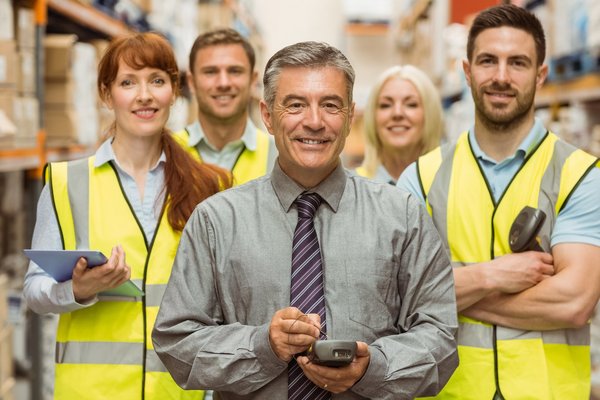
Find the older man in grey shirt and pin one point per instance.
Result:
(226, 322)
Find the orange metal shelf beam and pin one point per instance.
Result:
(89, 17)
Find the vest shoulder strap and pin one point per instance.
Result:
(254, 164)
(429, 164)
(69, 201)
(576, 166)
(183, 138)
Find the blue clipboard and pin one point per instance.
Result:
(59, 264)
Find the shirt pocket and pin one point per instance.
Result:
(374, 293)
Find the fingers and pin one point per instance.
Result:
(337, 380)
(80, 267)
(291, 332)
(362, 349)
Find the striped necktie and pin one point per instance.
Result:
(306, 289)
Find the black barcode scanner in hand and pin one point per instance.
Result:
(524, 230)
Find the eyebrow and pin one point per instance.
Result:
(402, 98)
(515, 57)
(291, 97)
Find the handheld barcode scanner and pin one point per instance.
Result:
(524, 230)
(332, 353)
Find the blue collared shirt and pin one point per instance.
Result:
(42, 293)
(228, 155)
(499, 174)
(578, 221)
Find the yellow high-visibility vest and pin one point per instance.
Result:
(105, 351)
(541, 365)
(249, 165)
(362, 171)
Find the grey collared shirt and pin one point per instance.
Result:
(228, 155)
(387, 278)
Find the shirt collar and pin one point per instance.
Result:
(105, 154)
(533, 138)
(382, 175)
(197, 135)
(330, 189)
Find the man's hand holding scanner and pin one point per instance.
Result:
(292, 332)
(88, 282)
(337, 379)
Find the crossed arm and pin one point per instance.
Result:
(533, 290)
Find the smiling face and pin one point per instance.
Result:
(400, 117)
(310, 121)
(221, 81)
(503, 76)
(141, 100)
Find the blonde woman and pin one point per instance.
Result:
(402, 120)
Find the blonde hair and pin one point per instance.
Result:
(432, 108)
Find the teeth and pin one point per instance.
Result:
(308, 141)
(145, 113)
(398, 129)
(223, 97)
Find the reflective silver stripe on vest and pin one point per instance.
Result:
(478, 335)
(474, 335)
(112, 353)
(153, 363)
(550, 187)
(118, 353)
(438, 193)
(78, 171)
(154, 294)
(572, 337)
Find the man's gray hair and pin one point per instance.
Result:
(305, 54)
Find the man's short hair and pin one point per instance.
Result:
(305, 54)
(511, 16)
(218, 37)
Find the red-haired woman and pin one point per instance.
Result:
(132, 198)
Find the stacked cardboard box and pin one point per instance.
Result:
(19, 108)
(8, 73)
(70, 98)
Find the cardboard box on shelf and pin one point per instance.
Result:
(6, 20)
(8, 129)
(15, 233)
(100, 45)
(61, 122)
(7, 98)
(13, 194)
(68, 125)
(8, 63)
(26, 82)
(59, 55)
(213, 15)
(25, 28)
(59, 92)
(26, 114)
(144, 5)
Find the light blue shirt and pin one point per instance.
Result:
(228, 155)
(42, 293)
(578, 221)
(382, 175)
